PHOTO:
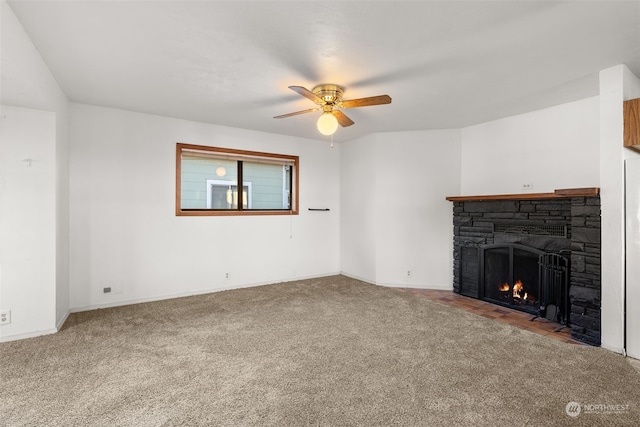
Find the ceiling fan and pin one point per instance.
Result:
(328, 97)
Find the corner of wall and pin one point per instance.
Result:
(28, 83)
(616, 83)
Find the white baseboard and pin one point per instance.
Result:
(26, 335)
(62, 320)
(190, 293)
(418, 286)
(34, 334)
(614, 349)
(411, 285)
(353, 276)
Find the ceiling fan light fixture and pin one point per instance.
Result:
(327, 124)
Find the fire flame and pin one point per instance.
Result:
(517, 291)
(517, 287)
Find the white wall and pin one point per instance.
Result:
(124, 232)
(632, 201)
(27, 82)
(616, 85)
(553, 148)
(27, 221)
(395, 216)
(357, 202)
(632, 176)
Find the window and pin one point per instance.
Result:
(207, 182)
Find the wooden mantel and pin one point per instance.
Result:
(557, 194)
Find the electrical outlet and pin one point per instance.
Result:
(408, 273)
(5, 317)
(226, 275)
(112, 286)
(528, 186)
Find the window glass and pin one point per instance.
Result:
(270, 185)
(196, 171)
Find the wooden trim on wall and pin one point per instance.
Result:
(566, 193)
(295, 160)
(178, 175)
(631, 113)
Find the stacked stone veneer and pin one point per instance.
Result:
(586, 290)
(473, 225)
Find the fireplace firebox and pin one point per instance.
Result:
(525, 279)
(510, 276)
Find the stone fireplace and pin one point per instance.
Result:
(538, 253)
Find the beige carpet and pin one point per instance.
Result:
(327, 352)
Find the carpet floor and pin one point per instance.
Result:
(331, 351)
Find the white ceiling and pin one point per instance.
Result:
(446, 64)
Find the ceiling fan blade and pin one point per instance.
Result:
(306, 93)
(310, 110)
(343, 120)
(365, 102)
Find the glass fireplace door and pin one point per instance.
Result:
(511, 276)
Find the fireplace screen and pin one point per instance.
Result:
(510, 276)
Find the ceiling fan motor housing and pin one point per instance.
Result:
(329, 93)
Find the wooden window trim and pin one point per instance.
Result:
(295, 160)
